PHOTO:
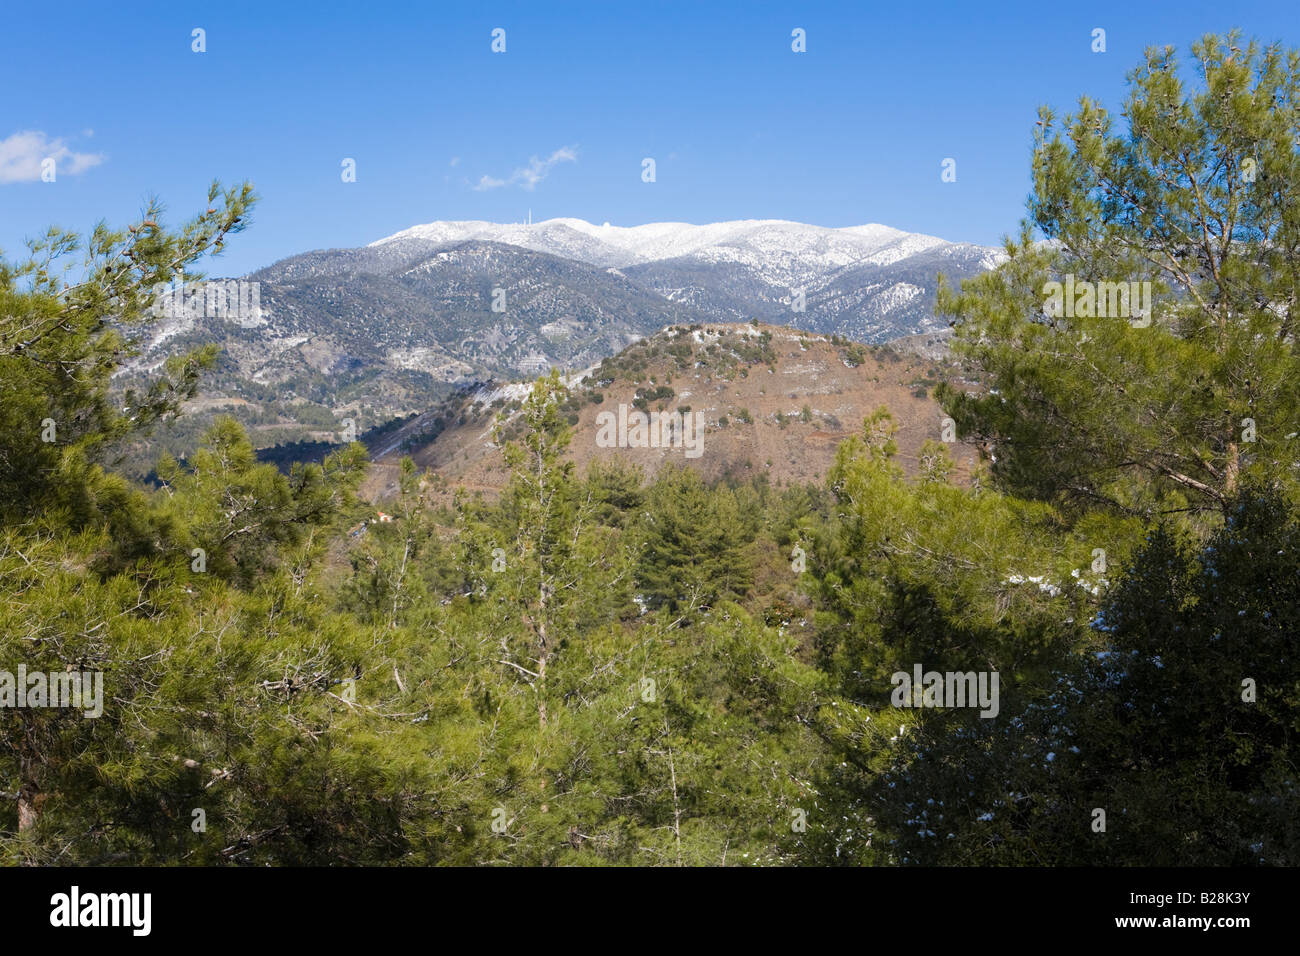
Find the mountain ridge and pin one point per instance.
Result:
(386, 330)
(621, 246)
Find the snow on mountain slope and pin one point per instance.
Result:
(868, 282)
(782, 251)
(394, 322)
(556, 237)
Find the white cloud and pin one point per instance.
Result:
(527, 177)
(455, 161)
(21, 155)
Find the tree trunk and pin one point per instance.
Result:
(541, 683)
(27, 812)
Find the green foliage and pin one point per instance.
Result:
(1121, 685)
(695, 543)
(1099, 409)
(241, 512)
(1155, 728)
(60, 343)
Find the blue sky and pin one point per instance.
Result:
(852, 131)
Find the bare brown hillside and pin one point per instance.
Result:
(767, 400)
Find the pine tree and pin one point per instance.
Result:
(695, 543)
(1090, 402)
(60, 343)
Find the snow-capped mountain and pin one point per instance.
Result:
(389, 324)
(781, 252)
(868, 282)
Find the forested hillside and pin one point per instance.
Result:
(606, 665)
